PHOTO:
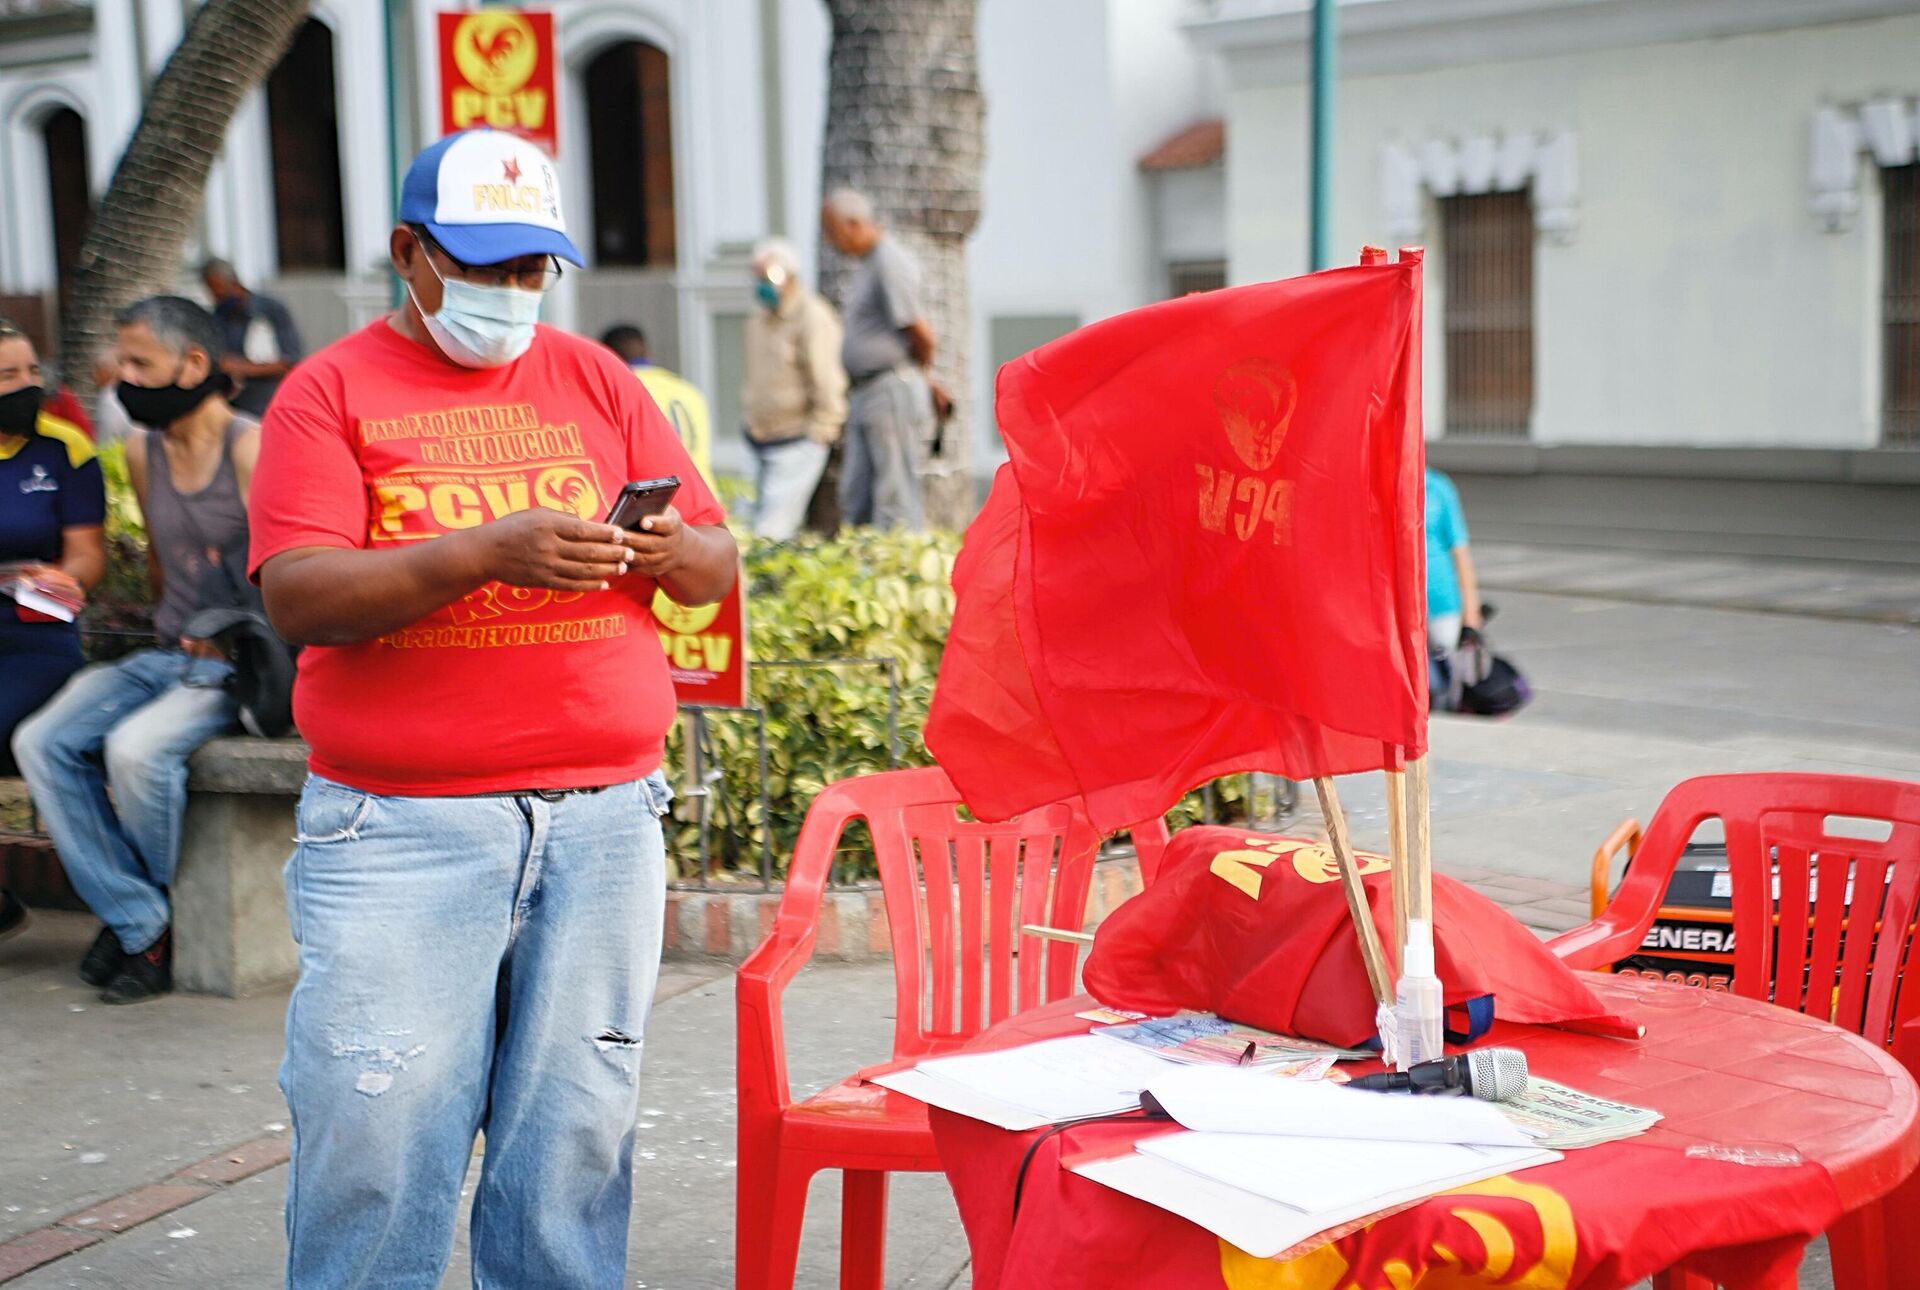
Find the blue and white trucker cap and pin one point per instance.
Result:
(487, 196)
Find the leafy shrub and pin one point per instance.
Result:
(861, 595)
(120, 610)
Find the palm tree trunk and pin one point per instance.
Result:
(132, 248)
(906, 126)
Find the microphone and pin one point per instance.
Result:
(1490, 1074)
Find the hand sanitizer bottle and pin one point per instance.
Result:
(1418, 1007)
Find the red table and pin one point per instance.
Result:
(1720, 1068)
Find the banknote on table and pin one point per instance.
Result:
(1562, 1118)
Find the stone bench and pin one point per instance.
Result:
(230, 933)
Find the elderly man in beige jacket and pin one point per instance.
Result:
(796, 391)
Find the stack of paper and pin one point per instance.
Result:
(1563, 1118)
(1214, 1100)
(1038, 1084)
(1303, 1158)
(1269, 1194)
(1204, 1039)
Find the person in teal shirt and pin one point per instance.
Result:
(1453, 593)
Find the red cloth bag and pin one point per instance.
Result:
(1255, 929)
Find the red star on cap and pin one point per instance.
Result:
(511, 169)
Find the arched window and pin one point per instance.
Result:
(65, 136)
(630, 140)
(304, 130)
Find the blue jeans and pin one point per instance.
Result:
(128, 726)
(468, 964)
(784, 477)
(889, 428)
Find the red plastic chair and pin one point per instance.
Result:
(1831, 947)
(956, 895)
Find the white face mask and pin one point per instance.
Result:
(479, 326)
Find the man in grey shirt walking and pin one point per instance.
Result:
(889, 344)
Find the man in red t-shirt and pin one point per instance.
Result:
(478, 880)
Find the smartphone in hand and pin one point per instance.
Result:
(641, 498)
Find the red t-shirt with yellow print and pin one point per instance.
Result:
(377, 440)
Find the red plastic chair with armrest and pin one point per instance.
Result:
(1832, 949)
(956, 894)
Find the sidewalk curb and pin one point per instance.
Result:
(130, 1209)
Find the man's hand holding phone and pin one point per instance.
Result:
(551, 549)
(659, 544)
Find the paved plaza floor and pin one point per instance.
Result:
(164, 1119)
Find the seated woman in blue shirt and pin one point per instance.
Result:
(1453, 592)
(53, 506)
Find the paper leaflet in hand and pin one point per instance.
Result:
(41, 600)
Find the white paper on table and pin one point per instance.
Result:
(1255, 1224)
(1056, 1079)
(932, 1090)
(1228, 1100)
(1335, 1174)
(1261, 1226)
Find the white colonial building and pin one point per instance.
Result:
(1674, 249)
(688, 129)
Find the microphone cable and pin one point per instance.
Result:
(1149, 1111)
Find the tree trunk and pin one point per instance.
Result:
(905, 126)
(132, 248)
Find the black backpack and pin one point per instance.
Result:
(1488, 685)
(235, 619)
(263, 666)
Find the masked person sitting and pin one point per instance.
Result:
(53, 504)
(130, 726)
(478, 884)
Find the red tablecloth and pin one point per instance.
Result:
(1721, 1069)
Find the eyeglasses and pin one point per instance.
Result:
(497, 275)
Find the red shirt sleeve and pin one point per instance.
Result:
(308, 489)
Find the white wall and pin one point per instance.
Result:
(1076, 91)
(1699, 302)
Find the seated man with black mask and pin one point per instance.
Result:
(130, 725)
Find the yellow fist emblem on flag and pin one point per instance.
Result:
(1496, 1232)
(1313, 862)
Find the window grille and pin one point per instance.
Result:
(1486, 243)
(1900, 307)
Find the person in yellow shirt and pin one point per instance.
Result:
(676, 396)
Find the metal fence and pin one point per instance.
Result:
(702, 783)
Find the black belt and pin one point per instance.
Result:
(859, 382)
(544, 794)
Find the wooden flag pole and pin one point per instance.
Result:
(1397, 853)
(1046, 933)
(1420, 838)
(1370, 953)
